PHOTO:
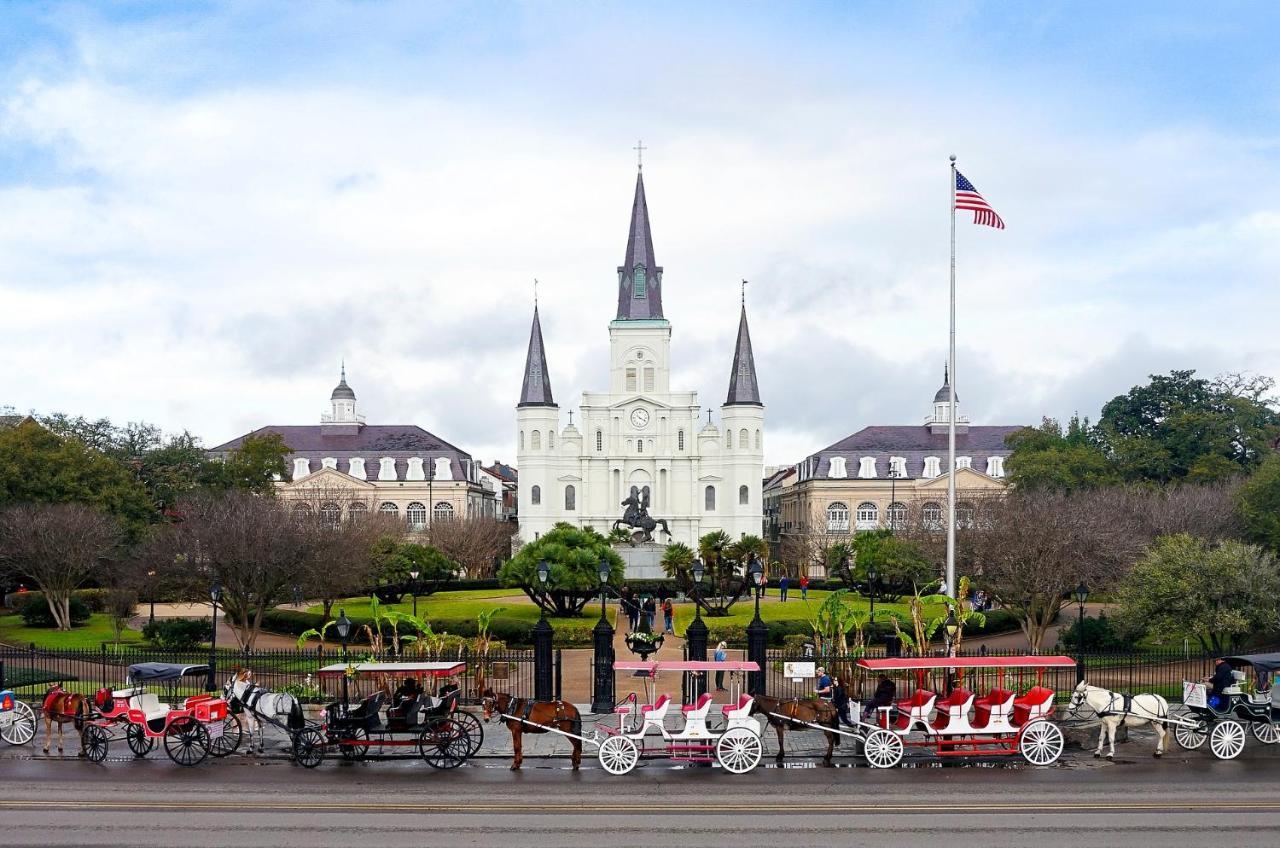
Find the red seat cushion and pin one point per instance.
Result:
(743, 700)
(1037, 696)
(661, 702)
(702, 701)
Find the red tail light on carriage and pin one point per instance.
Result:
(7, 703)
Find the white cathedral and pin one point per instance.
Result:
(641, 434)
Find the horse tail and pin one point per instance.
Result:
(575, 723)
(81, 713)
(296, 720)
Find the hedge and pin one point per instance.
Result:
(95, 600)
(569, 633)
(998, 621)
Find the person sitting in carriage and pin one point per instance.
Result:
(408, 690)
(448, 687)
(1218, 683)
(885, 692)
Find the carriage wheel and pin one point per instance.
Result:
(23, 728)
(618, 755)
(186, 741)
(1191, 736)
(444, 744)
(308, 748)
(1227, 739)
(882, 748)
(1041, 743)
(94, 741)
(739, 750)
(473, 727)
(228, 742)
(139, 742)
(355, 750)
(1265, 732)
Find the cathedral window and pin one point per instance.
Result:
(868, 516)
(728, 438)
(757, 440)
(415, 514)
(535, 495)
(641, 284)
(535, 440)
(648, 379)
(522, 440)
(837, 517)
(744, 496)
(744, 439)
(631, 379)
(442, 511)
(551, 439)
(570, 498)
(599, 439)
(867, 468)
(932, 466)
(836, 470)
(639, 445)
(680, 440)
(709, 499)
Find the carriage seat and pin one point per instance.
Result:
(954, 707)
(916, 708)
(699, 707)
(149, 705)
(997, 704)
(127, 692)
(433, 707)
(742, 709)
(366, 712)
(1036, 703)
(659, 707)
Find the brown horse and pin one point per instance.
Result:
(561, 715)
(813, 710)
(61, 706)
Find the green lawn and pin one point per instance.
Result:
(771, 609)
(466, 604)
(91, 634)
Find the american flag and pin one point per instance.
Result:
(967, 197)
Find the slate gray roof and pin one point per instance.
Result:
(743, 387)
(342, 391)
(639, 252)
(913, 443)
(536, 390)
(944, 394)
(372, 442)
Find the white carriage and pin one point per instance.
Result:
(17, 719)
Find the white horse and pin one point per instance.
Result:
(1114, 709)
(259, 704)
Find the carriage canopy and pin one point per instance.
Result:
(654, 666)
(905, 663)
(163, 671)
(1264, 665)
(419, 669)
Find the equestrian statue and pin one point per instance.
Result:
(637, 517)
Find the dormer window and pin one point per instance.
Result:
(995, 466)
(386, 468)
(301, 467)
(898, 466)
(836, 471)
(640, 287)
(932, 466)
(355, 467)
(415, 472)
(964, 462)
(329, 462)
(867, 468)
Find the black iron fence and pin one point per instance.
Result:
(1161, 672)
(30, 671)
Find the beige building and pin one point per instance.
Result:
(344, 466)
(882, 476)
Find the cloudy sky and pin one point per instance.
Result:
(204, 208)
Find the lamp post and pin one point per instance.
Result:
(343, 626)
(602, 694)
(413, 588)
(1082, 595)
(215, 595)
(542, 635)
(871, 588)
(757, 633)
(951, 627)
(151, 590)
(695, 635)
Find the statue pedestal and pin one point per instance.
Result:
(643, 562)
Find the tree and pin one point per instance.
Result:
(724, 575)
(1180, 426)
(477, 544)
(1259, 504)
(1217, 593)
(574, 555)
(255, 548)
(900, 563)
(255, 465)
(58, 547)
(1050, 457)
(39, 466)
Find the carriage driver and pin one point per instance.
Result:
(405, 692)
(1221, 679)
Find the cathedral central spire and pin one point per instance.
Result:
(639, 276)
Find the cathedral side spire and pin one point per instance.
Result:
(536, 390)
(639, 275)
(743, 387)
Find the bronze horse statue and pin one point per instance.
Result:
(637, 515)
(59, 707)
(561, 715)
(812, 710)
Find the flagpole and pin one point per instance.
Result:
(951, 405)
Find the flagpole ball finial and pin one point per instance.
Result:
(953, 157)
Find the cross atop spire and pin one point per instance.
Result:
(536, 389)
(639, 149)
(639, 275)
(743, 387)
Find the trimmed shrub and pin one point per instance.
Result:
(38, 615)
(176, 634)
(95, 600)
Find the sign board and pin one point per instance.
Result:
(1195, 694)
(799, 670)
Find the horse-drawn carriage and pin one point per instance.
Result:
(444, 736)
(191, 731)
(642, 730)
(1221, 719)
(17, 720)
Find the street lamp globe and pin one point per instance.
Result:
(605, 570)
(343, 626)
(215, 593)
(1082, 594)
(544, 571)
(698, 569)
(952, 626)
(413, 575)
(756, 570)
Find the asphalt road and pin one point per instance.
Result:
(1183, 800)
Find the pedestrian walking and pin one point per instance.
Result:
(668, 611)
(804, 588)
(721, 655)
(823, 689)
(782, 587)
(632, 608)
(650, 610)
(840, 700)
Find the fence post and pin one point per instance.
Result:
(695, 645)
(757, 636)
(1, 674)
(602, 689)
(543, 672)
(559, 658)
